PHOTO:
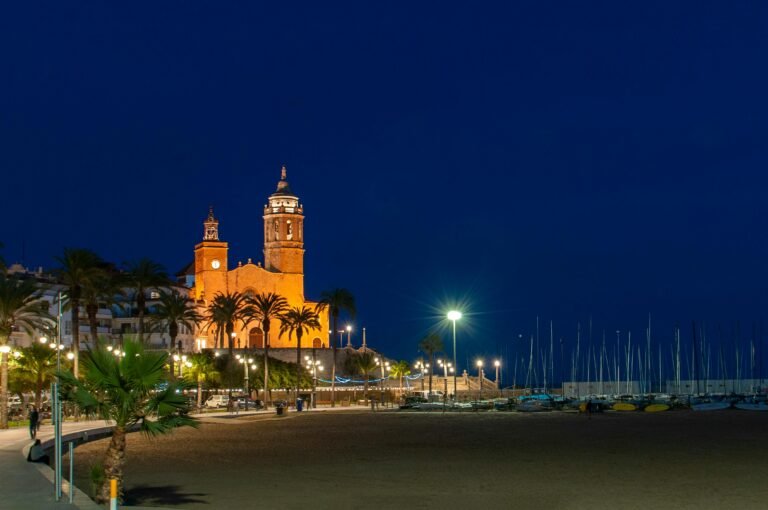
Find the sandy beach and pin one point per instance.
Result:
(680, 460)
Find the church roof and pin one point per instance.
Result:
(283, 188)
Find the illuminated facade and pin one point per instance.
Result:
(282, 271)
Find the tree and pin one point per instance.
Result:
(365, 364)
(38, 363)
(203, 370)
(22, 307)
(125, 389)
(401, 369)
(142, 276)
(102, 287)
(336, 301)
(174, 309)
(299, 321)
(78, 268)
(264, 308)
(429, 345)
(225, 311)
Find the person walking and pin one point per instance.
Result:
(34, 422)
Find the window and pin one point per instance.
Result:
(154, 295)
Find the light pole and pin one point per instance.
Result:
(349, 335)
(497, 364)
(313, 366)
(420, 365)
(234, 335)
(245, 362)
(480, 374)
(453, 316)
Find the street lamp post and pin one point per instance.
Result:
(313, 365)
(480, 374)
(453, 316)
(497, 364)
(349, 335)
(420, 365)
(245, 362)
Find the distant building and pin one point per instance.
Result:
(114, 323)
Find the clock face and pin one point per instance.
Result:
(215, 263)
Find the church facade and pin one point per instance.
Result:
(281, 272)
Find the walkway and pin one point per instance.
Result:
(25, 484)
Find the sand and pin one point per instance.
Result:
(412, 460)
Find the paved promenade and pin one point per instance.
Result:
(28, 485)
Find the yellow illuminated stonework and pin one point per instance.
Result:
(281, 273)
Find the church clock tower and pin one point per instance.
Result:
(284, 230)
(210, 261)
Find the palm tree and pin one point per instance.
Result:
(124, 389)
(225, 311)
(429, 345)
(264, 308)
(401, 369)
(365, 364)
(38, 362)
(102, 287)
(299, 321)
(336, 301)
(174, 309)
(203, 370)
(22, 307)
(78, 268)
(143, 275)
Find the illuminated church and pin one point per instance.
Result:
(282, 271)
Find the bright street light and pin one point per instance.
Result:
(453, 316)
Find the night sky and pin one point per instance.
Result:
(560, 159)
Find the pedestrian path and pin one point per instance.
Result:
(28, 485)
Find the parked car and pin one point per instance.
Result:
(252, 404)
(217, 401)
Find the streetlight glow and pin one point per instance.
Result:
(43, 340)
(453, 316)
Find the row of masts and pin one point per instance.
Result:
(627, 359)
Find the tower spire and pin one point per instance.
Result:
(211, 227)
(283, 173)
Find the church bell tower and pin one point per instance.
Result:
(210, 261)
(284, 230)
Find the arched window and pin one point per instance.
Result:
(317, 343)
(256, 338)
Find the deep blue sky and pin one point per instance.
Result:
(552, 159)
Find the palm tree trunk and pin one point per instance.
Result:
(199, 393)
(265, 326)
(39, 391)
(298, 362)
(4, 390)
(431, 364)
(91, 311)
(333, 368)
(75, 335)
(114, 460)
(141, 304)
(173, 346)
(230, 329)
